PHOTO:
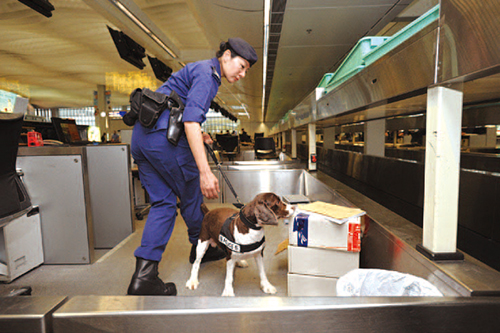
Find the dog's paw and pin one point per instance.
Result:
(192, 284)
(228, 292)
(242, 263)
(268, 288)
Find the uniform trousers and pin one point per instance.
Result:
(167, 172)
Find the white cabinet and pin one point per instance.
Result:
(21, 246)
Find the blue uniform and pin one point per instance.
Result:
(168, 172)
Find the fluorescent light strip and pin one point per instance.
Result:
(267, 10)
(143, 27)
(236, 98)
(220, 100)
(246, 112)
(132, 17)
(163, 46)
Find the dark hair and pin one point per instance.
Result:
(222, 48)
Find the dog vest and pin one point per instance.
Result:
(226, 238)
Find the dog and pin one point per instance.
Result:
(242, 237)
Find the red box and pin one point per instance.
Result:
(35, 139)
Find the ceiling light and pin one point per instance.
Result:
(220, 100)
(143, 27)
(131, 16)
(267, 9)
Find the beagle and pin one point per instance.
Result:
(241, 236)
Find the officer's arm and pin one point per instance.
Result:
(208, 182)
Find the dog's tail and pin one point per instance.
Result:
(204, 209)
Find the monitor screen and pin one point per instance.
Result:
(258, 135)
(66, 130)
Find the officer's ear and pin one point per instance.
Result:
(226, 55)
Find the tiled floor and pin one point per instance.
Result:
(111, 272)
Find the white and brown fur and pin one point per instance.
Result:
(264, 209)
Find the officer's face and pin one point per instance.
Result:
(235, 68)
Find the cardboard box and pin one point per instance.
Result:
(321, 262)
(314, 230)
(308, 285)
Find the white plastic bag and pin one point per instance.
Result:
(378, 282)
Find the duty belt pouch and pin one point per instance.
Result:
(151, 107)
(175, 125)
(135, 104)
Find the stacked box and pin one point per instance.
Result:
(310, 285)
(321, 250)
(314, 271)
(315, 230)
(321, 262)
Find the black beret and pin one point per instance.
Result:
(243, 49)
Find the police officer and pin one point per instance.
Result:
(169, 172)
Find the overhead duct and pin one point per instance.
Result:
(44, 7)
(277, 16)
(217, 108)
(162, 71)
(128, 49)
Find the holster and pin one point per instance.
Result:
(175, 125)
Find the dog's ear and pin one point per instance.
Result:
(264, 214)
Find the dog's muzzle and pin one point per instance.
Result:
(290, 209)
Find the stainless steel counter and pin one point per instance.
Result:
(277, 314)
(28, 313)
(391, 244)
(57, 181)
(391, 240)
(85, 198)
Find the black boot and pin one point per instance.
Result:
(212, 254)
(145, 280)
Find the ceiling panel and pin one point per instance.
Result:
(297, 80)
(63, 58)
(340, 3)
(316, 35)
(328, 26)
(176, 21)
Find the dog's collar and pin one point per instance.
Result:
(247, 222)
(227, 242)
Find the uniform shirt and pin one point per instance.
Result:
(196, 84)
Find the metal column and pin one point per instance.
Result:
(294, 143)
(311, 128)
(375, 138)
(283, 141)
(102, 122)
(442, 169)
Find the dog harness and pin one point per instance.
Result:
(226, 238)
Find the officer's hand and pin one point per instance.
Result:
(209, 185)
(207, 138)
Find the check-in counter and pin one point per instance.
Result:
(80, 191)
(110, 181)
(29, 313)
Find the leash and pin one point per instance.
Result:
(211, 152)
